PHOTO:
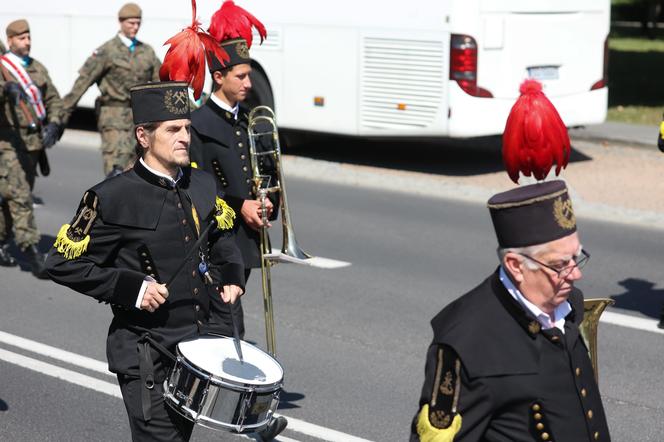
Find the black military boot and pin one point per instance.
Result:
(36, 259)
(6, 259)
(661, 319)
(276, 426)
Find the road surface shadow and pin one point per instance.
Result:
(442, 156)
(287, 400)
(3, 405)
(45, 244)
(640, 296)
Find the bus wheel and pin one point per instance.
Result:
(261, 92)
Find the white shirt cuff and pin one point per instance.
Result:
(142, 290)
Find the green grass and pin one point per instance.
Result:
(636, 69)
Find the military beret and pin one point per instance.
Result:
(160, 101)
(238, 52)
(17, 27)
(130, 10)
(533, 214)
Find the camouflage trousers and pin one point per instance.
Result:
(17, 212)
(117, 137)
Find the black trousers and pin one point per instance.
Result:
(165, 425)
(220, 314)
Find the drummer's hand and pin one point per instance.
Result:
(155, 295)
(231, 293)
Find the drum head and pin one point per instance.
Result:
(217, 356)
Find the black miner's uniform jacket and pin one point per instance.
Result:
(518, 383)
(220, 145)
(139, 225)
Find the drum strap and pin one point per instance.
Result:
(146, 369)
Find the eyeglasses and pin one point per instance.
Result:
(566, 269)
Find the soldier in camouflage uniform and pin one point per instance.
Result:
(115, 67)
(30, 120)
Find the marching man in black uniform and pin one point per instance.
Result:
(220, 145)
(131, 234)
(507, 361)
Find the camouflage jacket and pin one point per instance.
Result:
(9, 113)
(115, 70)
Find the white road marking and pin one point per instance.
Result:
(629, 321)
(55, 353)
(111, 389)
(61, 373)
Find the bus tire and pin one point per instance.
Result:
(261, 92)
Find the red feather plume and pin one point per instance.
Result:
(535, 137)
(185, 59)
(232, 21)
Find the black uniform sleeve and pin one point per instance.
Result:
(444, 380)
(83, 255)
(227, 265)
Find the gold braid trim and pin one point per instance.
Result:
(224, 215)
(67, 247)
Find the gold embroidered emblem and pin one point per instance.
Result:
(439, 419)
(534, 327)
(176, 102)
(564, 213)
(242, 49)
(446, 387)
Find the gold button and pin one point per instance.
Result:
(238, 133)
(539, 426)
(179, 205)
(245, 168)
(196, 291)
(590, 414)
(584, 392)
(144, 254)
(184, 221)
(555, 338)
(596, 435)
(243, 157)
(248, 181)
(545, 436)
(240, 145)
(148, 268)
(187, 238)
(193, 273)
(198, 307)
(537, 417)
(536, 407)
(578, 371)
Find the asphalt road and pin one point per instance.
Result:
(353, 340)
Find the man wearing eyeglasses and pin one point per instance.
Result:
(507, 360)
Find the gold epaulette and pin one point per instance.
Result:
(224, 215)
(73, 239)
(429, 433)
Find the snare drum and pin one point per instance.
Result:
(211, 387)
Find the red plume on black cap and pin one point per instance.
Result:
(232, 21)
(535, 137)
(185, 59)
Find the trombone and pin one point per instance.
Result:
(592, 310)
(262, 122)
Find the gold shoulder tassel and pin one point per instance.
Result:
(69, 248)
(224, 215)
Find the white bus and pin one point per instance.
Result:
(423, 68)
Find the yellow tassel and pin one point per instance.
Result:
(194, 164)
(429, 433)
(225, 215)
(68, 248)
